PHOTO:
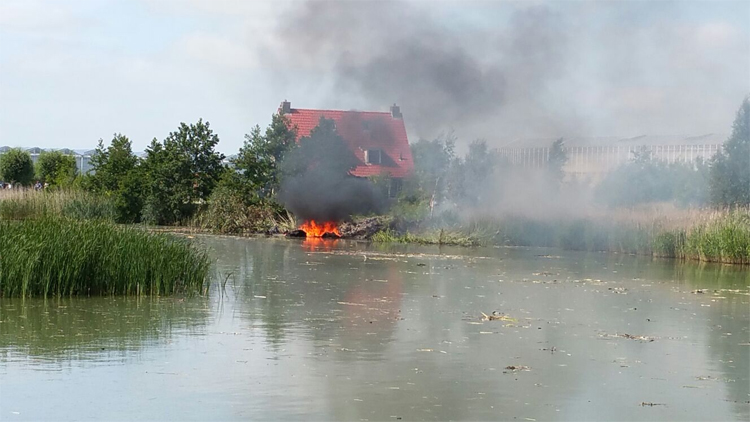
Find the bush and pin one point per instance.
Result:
(16, 166)
(56, 168)
(227, 213)
(730, 168)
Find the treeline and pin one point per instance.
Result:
(723, 180)
(52, 167)
(183, 179)
(177, 179)
(484, 180)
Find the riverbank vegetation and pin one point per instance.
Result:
(20, 204)
(64, 257)
(477, 198)
(713, 236)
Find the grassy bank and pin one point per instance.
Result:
(19, 204)
(62, 257)
(713, 236)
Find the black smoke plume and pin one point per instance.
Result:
(443, 77)
(316, 184)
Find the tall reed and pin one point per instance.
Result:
(706, 235)
(63, 257)
(18, 204)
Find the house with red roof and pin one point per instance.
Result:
(377, 139)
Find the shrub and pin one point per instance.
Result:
(16, 166)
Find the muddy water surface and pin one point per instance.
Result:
(354, 331)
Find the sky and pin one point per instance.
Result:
(76, 71)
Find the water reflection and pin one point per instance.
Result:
(334, 329)
(55, 330)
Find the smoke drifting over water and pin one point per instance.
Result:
(506, 70)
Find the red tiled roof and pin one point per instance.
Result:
(363, 130)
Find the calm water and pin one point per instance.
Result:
(352, 331)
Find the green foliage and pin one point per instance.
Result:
(443, 179)
(258, 172)
(644, 180)
(117, 174)
(227, 213)
(180, 173)
(56, 168)
(432, 167)
(730, 168)
(722, 239)
(20, 205)
(432, 237)
(323, 151)
(16, 166)
(62, 257)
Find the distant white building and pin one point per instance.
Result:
(83, 158)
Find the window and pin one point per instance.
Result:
(373, 156)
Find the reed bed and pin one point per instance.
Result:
(63, 257)
(705, 235)
(19, 204)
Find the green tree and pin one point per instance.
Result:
(116, 173)
(730, 167)
(181, 173)
(324, 150)
(476, 171)
(432, 166)
(16, 166)
(56, 168)
(645, 180)
(258, 164)
(200, 166)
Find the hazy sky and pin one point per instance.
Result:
(75, 71)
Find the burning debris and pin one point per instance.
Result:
(325, 230)
(318, 188)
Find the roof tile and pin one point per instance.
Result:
(363, 130)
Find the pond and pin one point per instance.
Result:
(345, 330)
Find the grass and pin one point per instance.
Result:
(63, 257)
(19, 204)
(430, 237)
(708, 235)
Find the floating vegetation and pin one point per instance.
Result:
(64, 257)
(516, 368)
(496, 316)
(644, 339)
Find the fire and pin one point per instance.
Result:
(313, 229)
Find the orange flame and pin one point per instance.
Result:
(313, 229)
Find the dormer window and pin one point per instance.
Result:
(373, 156)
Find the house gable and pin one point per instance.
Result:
(377, 139)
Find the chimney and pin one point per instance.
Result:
(285, 107)
(395, 111)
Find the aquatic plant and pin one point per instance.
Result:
(715, 236)
(63, 257)
(19, 204)
(430, 237)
